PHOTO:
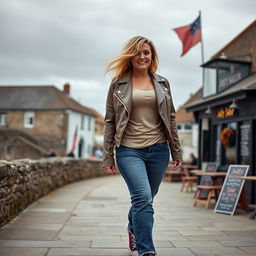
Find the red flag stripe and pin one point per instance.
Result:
(188, 36)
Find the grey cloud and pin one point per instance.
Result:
(49, 42)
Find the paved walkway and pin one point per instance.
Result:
(88, 218)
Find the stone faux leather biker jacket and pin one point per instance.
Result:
(118, 109)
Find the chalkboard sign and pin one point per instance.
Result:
(231, 189)
(207, 180)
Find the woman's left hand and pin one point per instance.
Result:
(176, 164)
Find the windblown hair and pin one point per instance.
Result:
(121, 64)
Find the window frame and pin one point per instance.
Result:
(27, 116)
(82, 122)
(3, 119)
(89, 128)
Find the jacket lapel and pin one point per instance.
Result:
(160, 88)
(124, 89)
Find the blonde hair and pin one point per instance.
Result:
(121, 64)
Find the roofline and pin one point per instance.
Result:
(87, 112)
(29, 86)
(235, 39)
(225, 60)
(45, 110)
(219, 97)
(220, 101)
(86, 109)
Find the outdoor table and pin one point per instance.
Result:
(214, 175)
(251, 178)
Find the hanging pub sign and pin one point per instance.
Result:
(226, 113)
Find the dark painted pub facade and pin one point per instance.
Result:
(226, 110)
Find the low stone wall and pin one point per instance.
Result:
(24, 181)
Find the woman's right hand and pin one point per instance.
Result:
(110, 169)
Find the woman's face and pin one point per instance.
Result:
(142, 60)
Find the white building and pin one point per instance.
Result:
(43, 118)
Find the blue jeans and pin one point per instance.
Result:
(143, 170)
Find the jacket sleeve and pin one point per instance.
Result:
(176, 150)
(109, 129)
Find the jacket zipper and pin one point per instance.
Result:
(127, 119)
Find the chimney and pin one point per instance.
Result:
(66, 89)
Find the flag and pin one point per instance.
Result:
(74, 140)
(190, 35)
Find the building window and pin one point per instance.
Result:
(244, 142)
(82, 122)
(89, 123)
(209, 87)
(29, 119)
(184, 127)
(187, 127)
(2, 119)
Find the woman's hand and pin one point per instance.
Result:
(176, 164)
(110, 169)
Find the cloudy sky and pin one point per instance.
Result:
(56, 41)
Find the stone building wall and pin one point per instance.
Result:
(243, 48)
(50, 127)
(24, 181)
(16, 145)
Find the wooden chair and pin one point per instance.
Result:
(172, 175)
(213, 192)
(188, 182)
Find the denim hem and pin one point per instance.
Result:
(147, 252)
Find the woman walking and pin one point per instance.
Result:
(140, 129)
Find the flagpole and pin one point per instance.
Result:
(202, 47)
(202, 42)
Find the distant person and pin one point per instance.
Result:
(71, 154)
(98, 153)
(193, 159)
(140, 129)
(51, 153)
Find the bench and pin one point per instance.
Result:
(213, 192)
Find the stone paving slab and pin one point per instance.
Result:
(249, 250)
(196, 244)
(213, 251)
(89, 252)
(88, 218)
(6, 251)
(36, 234)
(239, 242)
(27, 225)
(48, 244)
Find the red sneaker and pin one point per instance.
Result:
(132, 243)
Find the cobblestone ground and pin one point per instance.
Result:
(88, 218)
